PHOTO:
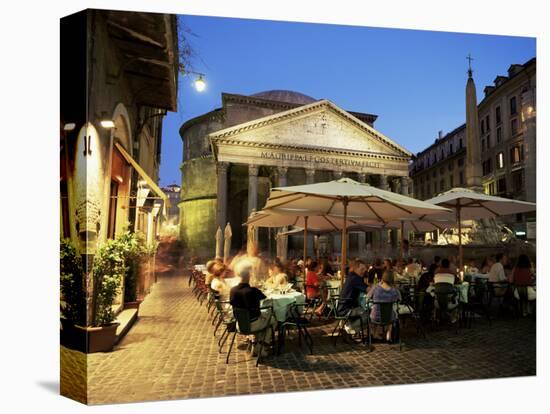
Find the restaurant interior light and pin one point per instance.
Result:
(520, 233)
(69, 126)
(200, 84)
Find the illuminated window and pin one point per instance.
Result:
(516, 154)
(500, 160)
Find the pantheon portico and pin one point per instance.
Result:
(278, 138)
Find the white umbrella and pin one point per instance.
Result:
(227, 242)
(470, 205)
(219, 236)
(347, 198)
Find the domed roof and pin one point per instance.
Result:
(285, 96)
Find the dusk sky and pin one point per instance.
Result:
(413, 80)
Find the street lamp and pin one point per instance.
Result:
(200, 83)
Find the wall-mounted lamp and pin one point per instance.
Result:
(69, 127)
(106, 122)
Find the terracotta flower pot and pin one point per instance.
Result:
(101, 338)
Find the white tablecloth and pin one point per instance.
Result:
(281, 302)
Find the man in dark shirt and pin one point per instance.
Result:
(245, 296)
(354, 285)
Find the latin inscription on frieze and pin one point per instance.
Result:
(319, 159)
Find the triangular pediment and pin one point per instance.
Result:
(320, 125)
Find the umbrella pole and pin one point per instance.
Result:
(344, 242)
(460, 259)
(305, 239)
(402, 239)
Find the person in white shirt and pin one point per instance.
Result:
(497, 274)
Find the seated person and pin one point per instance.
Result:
(412, 268)
(277, 277)
(247, 297)
(375, 272)
(444, 280)
(218, 283)
(522, 273)
(315, 286)
(496, 273)
(209, 270)
(384, 292)
(354, 286)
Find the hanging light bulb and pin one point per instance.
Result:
(200, 84)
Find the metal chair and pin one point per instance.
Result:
(387, 310)
(498, 291)
(297, 321)
(445, 293)
(477, 302)
(343, 318)
(242, 316)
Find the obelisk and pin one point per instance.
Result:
(473, 146)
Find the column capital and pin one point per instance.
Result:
(337, 174)
(310, 172)
(362, 177)
(282, 170)
(221, 167)
(253, 169)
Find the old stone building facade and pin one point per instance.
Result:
(506, 139)
(233, 155)
(119, 77)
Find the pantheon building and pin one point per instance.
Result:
(234, 154)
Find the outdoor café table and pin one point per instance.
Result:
(281, 301)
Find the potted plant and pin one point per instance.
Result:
(134, 253)
(73, 297)
(108, 270)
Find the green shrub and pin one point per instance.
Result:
(73, 288)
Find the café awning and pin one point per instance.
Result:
(152, 185)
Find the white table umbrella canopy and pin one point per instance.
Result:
(467, 204)
(364, 202)
(474, 205)
(293, 217)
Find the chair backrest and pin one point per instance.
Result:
(443, 293)
(386, 311)
(242, 315)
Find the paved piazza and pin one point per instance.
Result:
(170, 353)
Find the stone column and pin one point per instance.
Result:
(405, 185)
(310, 179)
(310, 176)
(282, 244)
(362, 236)
(252, 188)
(281, 176)
(221, 208)
(383, 185)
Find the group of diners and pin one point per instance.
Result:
(240, 282)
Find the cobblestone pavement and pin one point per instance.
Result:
(170, 353)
